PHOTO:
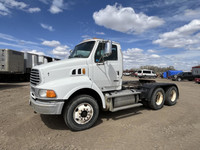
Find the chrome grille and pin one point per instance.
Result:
(35, 77)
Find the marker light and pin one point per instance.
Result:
(83, 70)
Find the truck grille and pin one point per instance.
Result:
(35, 77)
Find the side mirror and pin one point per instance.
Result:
(108, 48)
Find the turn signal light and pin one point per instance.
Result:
(83, 70)
(50, 94)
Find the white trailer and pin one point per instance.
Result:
(12, 62)
(17, 65)
(196, 71)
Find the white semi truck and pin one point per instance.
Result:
(90, 80)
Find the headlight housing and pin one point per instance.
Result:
(47, 93)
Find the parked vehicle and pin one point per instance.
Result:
(18, 65)
(126, 73)
(183, 76)
(144, 73)
(171, 73)
(90, 80)
(197, 80)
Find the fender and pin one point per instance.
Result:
(148, 89)
(95, 87)
(90, 85)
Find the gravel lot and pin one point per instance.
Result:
(175, 127)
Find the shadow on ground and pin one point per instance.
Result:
(56, 122)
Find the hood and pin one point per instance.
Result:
(60, 69)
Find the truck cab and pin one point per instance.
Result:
(89, 80)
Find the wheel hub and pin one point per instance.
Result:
(159, 98)
(83, 113)
(173, 95)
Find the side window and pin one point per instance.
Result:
(100, 52)
(113, 56)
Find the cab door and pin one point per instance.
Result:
(107, 71)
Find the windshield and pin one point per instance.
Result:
(82, 50)
(180, 73)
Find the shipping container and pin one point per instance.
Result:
(12, 62)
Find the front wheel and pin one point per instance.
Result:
(171, 96)
(81, 113)
(157, 99)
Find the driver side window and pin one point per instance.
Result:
(100, 51)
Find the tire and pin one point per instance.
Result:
(157, 99)
(179, 79)
(171, 96)
(81, 113)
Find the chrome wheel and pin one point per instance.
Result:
(83, 113)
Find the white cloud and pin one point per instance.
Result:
(135, 57)
(35, 52)
(48, 27)
(14, 3)
(56, 7)
(61, 51)
(125, 19)
(7, 5)
(33, 10)
(186, 37)
(44, 1)
(100, 33)
(3, 10)
(188, 15)
(151, 51)
(52, 43)
(86, 37)
(155, 56)
(192, 13)
(14, 39)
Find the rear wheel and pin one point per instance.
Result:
(157, 99)
(171, 96)
(81, 112)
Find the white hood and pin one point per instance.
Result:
(60, 69)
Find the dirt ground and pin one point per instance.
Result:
(175, 127)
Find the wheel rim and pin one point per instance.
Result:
(173, 95)
(179, 79)
(83, 113)
(159, 98)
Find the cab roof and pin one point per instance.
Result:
(96, 40)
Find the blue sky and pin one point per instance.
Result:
(157, 32)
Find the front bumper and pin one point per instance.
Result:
(48, 107)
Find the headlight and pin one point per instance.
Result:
(47, 93)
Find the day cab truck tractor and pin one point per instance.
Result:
(90, 80)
